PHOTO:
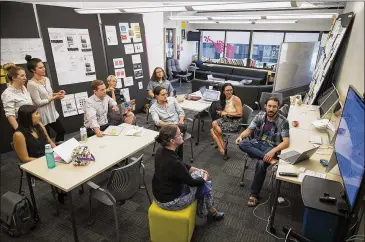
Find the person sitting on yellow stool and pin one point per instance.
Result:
(176, 185)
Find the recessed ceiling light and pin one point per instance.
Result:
(301, 16)
(258, 5)
(235, 17)
(156, 9)
(95, 10)
(276, 21)
(235, 22)
(188, 18)
(202, 22)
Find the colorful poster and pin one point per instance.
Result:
(118, 63)
(124, 33)
(135, 32)
(120, 73)
(111, 35)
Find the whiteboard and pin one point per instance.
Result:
(15, 50)
(296, 64)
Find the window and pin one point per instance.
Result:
(265, 48)
(301, 37)
(237, 44)
(212, 46)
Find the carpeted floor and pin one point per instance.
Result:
(239, 223)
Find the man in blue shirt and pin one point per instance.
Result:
(270, 132)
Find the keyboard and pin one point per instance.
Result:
(315, 139)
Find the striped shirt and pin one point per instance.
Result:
(40, 94)
(96, 111)
(279, 130)
(170, 114)
(13, 99)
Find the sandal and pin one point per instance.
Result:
(252, 201)
(216, 215)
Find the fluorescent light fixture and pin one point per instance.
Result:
(302, 16)
(188, 18)
(95, 10)
(276, 21)
(238, 6)
(156, 9)
(202, 22)
(234, 17)
(235, 22)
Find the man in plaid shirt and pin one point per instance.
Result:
(269, 132)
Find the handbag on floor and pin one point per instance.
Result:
(17, 214)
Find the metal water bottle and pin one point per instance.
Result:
(83, 135)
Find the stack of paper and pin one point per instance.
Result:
(135, 131)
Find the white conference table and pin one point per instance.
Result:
(195, 106)
(108, 151)
(299, 141)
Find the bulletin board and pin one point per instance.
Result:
(126, 55)
(324, 67)
(54, 17)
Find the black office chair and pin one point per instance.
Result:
(247, 111)
(283, 109)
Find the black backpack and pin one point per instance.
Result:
(17, 215)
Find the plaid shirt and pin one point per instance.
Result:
(280, 128)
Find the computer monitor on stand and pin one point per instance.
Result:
(328, 102)
(349, 151)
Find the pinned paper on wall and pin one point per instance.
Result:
(129, 49)
(136, 32)
(80, 98)
(120, 73)
(137, 66)
(118, 63)
(125, 93)
(111, 35)
(140, 85)
(68, 105)
(136, 59)
(119, 83)
(138, 74)
(124, 33)
(128, 81)
(138, 48)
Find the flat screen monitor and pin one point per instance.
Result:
(349, 146)
(332, 98)
(193, 36)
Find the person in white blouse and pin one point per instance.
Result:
(42, 94)
(16, 95)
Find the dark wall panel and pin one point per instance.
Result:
(17, 20)
(62, 17)
(13, 25)
(117, 51)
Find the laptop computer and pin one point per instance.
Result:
(209, 95)
(294, 157)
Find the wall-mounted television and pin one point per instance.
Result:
(193, 36)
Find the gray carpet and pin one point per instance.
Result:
(239, 223)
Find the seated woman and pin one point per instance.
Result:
(176, 185)
(125, 114)
(230, 116)
(159, 78)
(31, 137)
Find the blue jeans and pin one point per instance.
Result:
(257, 150)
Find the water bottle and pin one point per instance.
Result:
(49, 157)
(83, 135)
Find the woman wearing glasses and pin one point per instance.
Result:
(230, 116)
(176, 185)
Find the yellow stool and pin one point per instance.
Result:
(171, 226)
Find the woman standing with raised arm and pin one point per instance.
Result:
(43, 96)
(16, 95)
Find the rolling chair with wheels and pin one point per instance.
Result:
(122, 184)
